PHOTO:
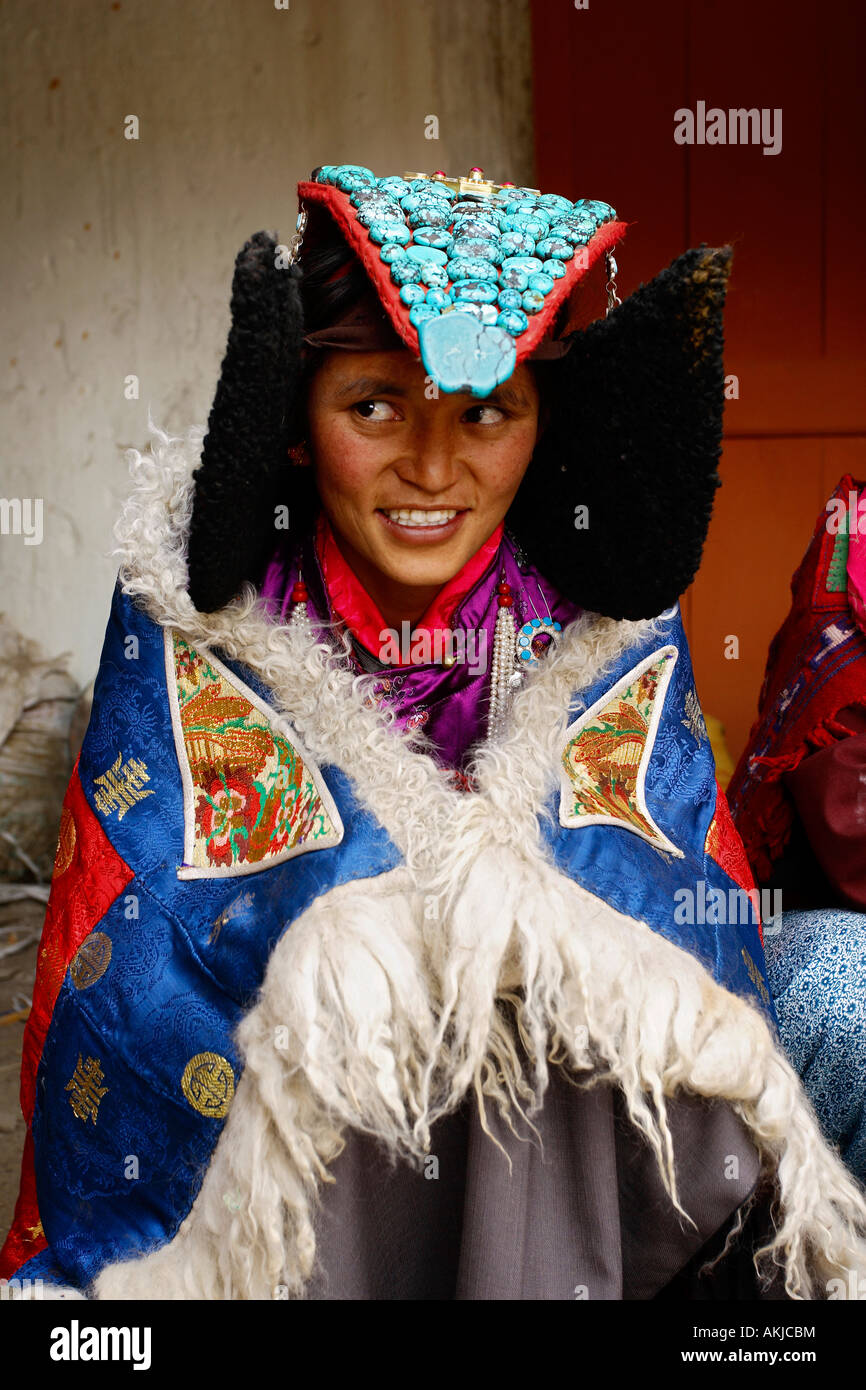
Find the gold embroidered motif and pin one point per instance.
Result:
(756, 977)
(86, 1091)
(609, 747)
(121, 786)
(91, 960)
(65, 843)
(208, 1083)
(252, 797)
(694, 720)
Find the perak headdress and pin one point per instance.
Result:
(474, 277)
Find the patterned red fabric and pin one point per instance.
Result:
(724, 845)
(88, 875)
(816, 667)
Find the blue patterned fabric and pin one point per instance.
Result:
(816, 966)
(642, 881)
(183, 970)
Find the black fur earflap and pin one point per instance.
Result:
(634, 436)
(250, 427)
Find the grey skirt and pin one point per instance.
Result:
(581, 1215)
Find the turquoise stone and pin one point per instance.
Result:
(476, 226)
(429, 216)
(528, 223)
(382, 232)
(513, 321)
(348, 180)
(555, 248)
(324, 174)
(436, 276)
(432, 186)
(513, 279)
(509, 299)
(532, 302)
(419, 313)
(471, 268)
(392, 251)
(477, 248)
(397, 187)
(479, 291)
(378, 212)
(426, 253)
(541, 283)
(528, 264)
(554, 268)
(517, 244)
(574, 233)
(554, 202)
(462, 354)
(438, 299)
(439, 237)
(412, 294)
(602, 212)
(405, 272)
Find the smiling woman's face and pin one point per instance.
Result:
(412, 484)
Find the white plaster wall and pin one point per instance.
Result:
(118, 254)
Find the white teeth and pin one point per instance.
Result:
(412, 516)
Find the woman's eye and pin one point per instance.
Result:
(375, 410)
(494, 415)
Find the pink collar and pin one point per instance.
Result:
(350, 601)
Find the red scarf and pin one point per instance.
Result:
(350, 601)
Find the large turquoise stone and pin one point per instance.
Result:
(462, 354)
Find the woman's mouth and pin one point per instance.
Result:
(418, 523)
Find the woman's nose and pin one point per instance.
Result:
(431, 459)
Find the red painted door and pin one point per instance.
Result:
(609, 79)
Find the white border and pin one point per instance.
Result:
(281, 726)
(567, 788)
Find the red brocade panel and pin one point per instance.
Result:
(88, 875)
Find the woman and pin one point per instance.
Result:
(797, 796)
(378, 979)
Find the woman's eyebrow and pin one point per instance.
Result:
(366, 387)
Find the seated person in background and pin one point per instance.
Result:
(798, 797)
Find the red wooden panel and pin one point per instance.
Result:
(765, 509)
